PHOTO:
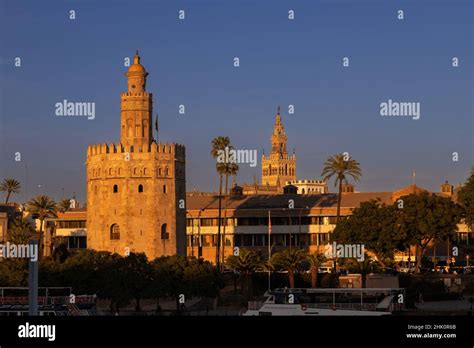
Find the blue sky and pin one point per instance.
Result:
(283, 62)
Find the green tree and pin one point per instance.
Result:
(425, 218)
(365, 267)
(138, 275)
(20, 231)
(89, 272)
(218, 146)
(290, 261)
(466, 200)
(50, 273)
(246, 263)
(61, 253)
(64, 205)
(229, 170)
(315, 261)
(10, 186)
(43, 207)
(161, 280)
(373, 225)
(203, 278)
(341, 167)
(14, 272)
(118, 288)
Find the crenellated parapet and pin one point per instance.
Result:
(178, 150)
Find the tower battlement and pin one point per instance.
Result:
(178, 150)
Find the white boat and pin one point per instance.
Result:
(329, 302)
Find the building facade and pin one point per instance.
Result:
(308, 224)
(68, 228)
(136, 189)
(309, 186)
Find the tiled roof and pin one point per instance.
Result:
(328, 200)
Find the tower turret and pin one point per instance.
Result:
(136, 108)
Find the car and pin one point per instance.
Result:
(325, 269)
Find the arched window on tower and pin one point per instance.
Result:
(115, 188)
(114, 232)
(164, 232)
(130, 129)
(286, 169)
(164, 188)
(144, 128)
(140, 188)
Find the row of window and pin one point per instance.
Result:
(263, 221)
(136, 171)
(72, 224)
(312, 189)
(115, 232)
(278, 170)
(255, 240)
(139, 188)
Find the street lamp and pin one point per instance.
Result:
(192, 233)
(199, 234)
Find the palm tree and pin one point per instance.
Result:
(246, 262)
(10, 186)
(230, 169)
(20, 231)
(315, 261)
(64, 205)
(43, 207)
(290, 261)
(217, 146)
(340, 166)
(365, 267)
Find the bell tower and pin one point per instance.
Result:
(136, 108)
(278, 167)
(278, 137)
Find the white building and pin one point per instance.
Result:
(309, 186)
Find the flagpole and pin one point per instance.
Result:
(156, 126)
(269, 249)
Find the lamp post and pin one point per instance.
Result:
(199, 234)
(192, 233)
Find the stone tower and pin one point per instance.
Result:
(278, 167)
(136, 189)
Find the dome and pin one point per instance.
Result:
(136, 67)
